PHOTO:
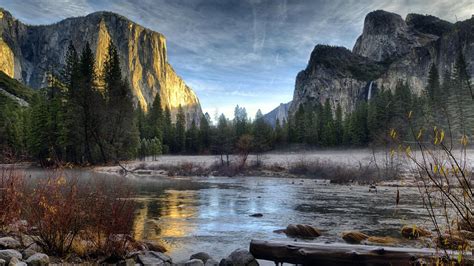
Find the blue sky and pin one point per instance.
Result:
(245, 52)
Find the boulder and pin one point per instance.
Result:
(9, 243)
(414, 232)
(2, 262)
(154, 258)
(201, 256)
(16, 262)
(211, 262)
(31, 250)
(302, 230)
(354, 237)
(38, 259)
(194, 262)
(8, 254)
(239, 257)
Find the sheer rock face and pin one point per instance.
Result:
(143, 54)
(280, 113)
(336, 74)
(390, 49)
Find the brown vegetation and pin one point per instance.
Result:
(92, 219)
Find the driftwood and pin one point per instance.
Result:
(346, 254)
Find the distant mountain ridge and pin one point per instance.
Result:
(389, 49)
(280, 113)
(27, 52)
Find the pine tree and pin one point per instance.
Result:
(338, 125)
(155, 119)
(223, 141)
(205, 133)
(168, 133)
(192, 139)
(118, 134)
(262, 135)
(180, 130)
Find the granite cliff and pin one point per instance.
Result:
(27, 52)
(389, 49)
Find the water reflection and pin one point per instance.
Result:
(167, 218)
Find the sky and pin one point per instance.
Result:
(245, 52)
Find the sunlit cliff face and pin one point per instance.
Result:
(165, 220)
(7, 59)
(142, 52)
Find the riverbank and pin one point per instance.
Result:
(340, 167)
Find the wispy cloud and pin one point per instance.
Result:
(242, 51)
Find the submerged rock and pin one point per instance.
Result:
(38, 259)
(354, 237)
(302, 230)
(414, 232)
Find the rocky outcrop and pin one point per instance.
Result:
(280, 113)
(27, 52)
(336, 74)
(390, 49)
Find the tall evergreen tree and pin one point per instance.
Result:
(180, 130)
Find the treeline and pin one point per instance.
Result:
(83, 117)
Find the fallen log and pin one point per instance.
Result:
(346, 254)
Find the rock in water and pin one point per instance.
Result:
(414, 232)
(38, 259)
(26, 51)
(8, 254)
(302, 230)
(354, 237)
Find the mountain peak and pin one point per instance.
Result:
(385, 36)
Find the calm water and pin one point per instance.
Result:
(190, 215)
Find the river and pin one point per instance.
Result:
(211, 214)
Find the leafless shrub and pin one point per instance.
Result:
(11, 192)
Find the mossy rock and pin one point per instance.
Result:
(302, 231)
(354, 237)
(414, 232)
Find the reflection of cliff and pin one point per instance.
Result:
(167, 218)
